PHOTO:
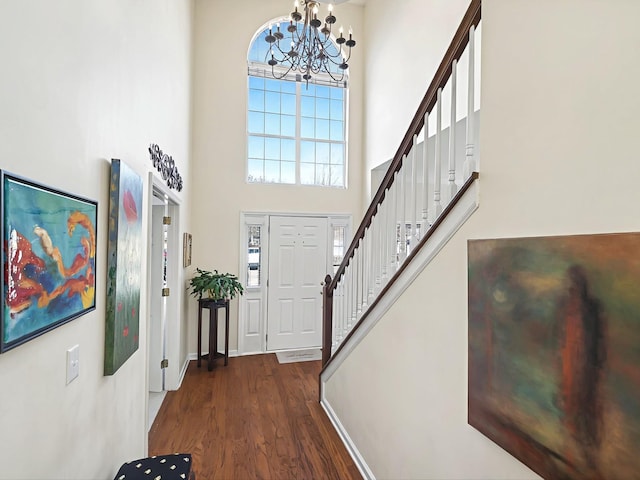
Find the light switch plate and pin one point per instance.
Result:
(73, 363)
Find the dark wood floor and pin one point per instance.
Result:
(254, 419)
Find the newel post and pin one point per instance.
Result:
(327, 320)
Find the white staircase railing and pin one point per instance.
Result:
(411, 199)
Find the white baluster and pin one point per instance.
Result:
(358, 272)
(365, 269)
(361, 275)
(371, 278)
(379, 248)
(334, 324)
(354, 290)
(344, 306)
(347, 301)
(386, 273)
(337, 320)
(425, 178)
(340, 310)
(437, 180)
(406, 234)
(453, 188)
(393, 212)
(414, 195)
(470, 163)
(402, 253)
(383, 239)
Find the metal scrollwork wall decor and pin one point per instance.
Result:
(166, 166)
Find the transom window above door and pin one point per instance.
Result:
(295, 129)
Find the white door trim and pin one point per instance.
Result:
(174, 301)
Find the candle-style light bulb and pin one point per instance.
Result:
(272, 61)
(295, 15)
(331, 19)
(351, 42)
(340, 40)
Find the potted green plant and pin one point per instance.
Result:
(214, 285)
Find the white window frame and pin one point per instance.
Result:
(259, 69)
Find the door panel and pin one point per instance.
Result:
(297, 266)
(254, 315)
(309, 307)
(286, 266)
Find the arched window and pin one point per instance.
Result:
(295, 129)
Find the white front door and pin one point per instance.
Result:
(297, 266)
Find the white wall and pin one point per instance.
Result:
(223, 32)
(405, 42)
(559, 95)
(84, 81)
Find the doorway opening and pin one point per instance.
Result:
(164, 328)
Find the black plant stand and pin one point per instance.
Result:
(213, 306)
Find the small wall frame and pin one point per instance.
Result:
(186, 249)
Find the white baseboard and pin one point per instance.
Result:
(364, 469)
(183, 371)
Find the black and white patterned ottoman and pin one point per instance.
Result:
(163, 467)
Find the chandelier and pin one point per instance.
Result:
(306, 47)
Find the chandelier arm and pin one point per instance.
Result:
(277, 76)
(286, 58)
(343, 60)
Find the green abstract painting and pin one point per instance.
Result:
(124, 257)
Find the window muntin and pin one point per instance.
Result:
(295, 130)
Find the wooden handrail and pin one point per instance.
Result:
(454, 52)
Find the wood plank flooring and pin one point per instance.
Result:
(254, 419)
